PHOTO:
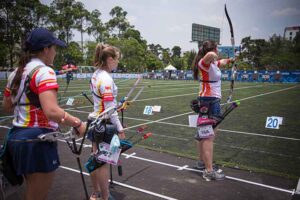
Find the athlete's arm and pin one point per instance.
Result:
(53, 112)
(209, 57)
(7, 104)
(226, 61)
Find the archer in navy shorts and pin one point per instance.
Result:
(29, 154)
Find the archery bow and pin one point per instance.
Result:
(233, 65)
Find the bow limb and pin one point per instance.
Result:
(233, 48)
(231, 27)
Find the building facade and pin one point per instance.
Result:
(291, 32)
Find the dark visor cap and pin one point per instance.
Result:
(40, 38)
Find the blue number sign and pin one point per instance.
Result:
(148, 110)
(272, 122)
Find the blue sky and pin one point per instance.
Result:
(169, 22)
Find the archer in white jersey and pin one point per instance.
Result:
(206, 69)
(104, 95)
(31, 92)
(27, 114)
(104, 92)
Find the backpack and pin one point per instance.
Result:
(7, 171)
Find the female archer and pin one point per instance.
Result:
(31, 92)
(206, 69)
(104, 92)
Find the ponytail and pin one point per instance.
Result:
(195, 63)
(24, 59)
(207, 46)
(102, 52)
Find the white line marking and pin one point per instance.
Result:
(188, 94)
(129, 155)
(184, 139)
(189, 169)
(5, 127)
(151, 122)
(81, 88)
(8, 116)
(261, 135)
(228, 177)
(184, 125)
(267, 93)
(183, 167)
(125, 185)
(72, 109)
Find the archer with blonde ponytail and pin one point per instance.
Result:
(104, 92)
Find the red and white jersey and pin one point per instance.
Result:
(43, 79)
(104, 95)
(210, 79)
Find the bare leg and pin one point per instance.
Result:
(207, 151)
(94, 175)
(38, 185)
(103, 176)
(94, 179)
(199, 147)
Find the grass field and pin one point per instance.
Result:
(242, 141)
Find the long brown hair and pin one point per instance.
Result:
(206, 47)
(102, 52)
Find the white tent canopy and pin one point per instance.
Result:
(170, 67)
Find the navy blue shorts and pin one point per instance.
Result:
(215, 107)
(30, 156)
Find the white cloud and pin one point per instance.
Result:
(286, 12)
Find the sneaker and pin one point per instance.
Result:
(213, 175)
(95, 196)
(201, 166)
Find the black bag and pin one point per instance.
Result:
(195, 105)
(103, 132)
(7, 168)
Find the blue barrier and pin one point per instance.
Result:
(241, 75)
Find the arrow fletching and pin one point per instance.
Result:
(147, 135)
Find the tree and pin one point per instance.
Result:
(81, 17)
(118, 24)
(96, 27)
(188, 58)
(177, 62)
(166, 56)
(132, 33)
(133, 54)
(156, 49)
(152, 62)
(17, 18)
(176, 51)
(75, 53)
(62, 18)
(90, 46)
